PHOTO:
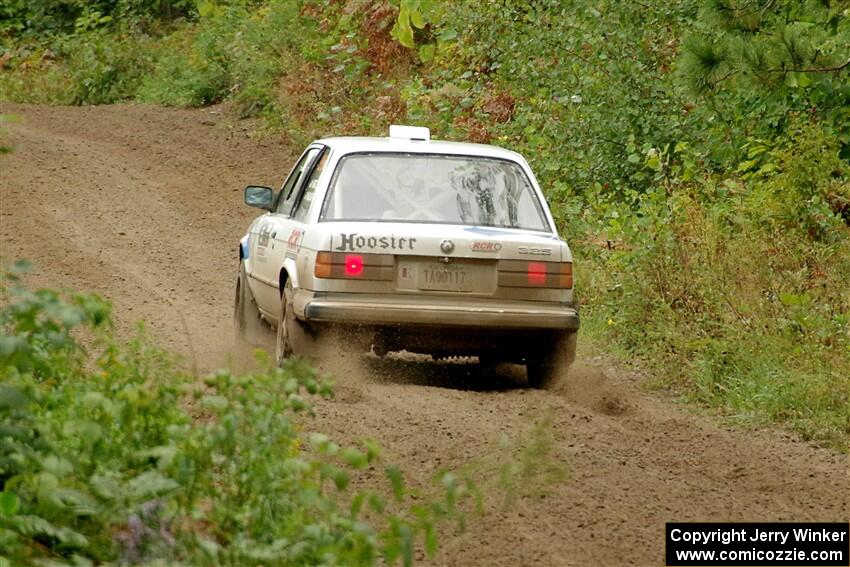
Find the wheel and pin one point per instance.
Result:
(488, 363)
(283, 345)
(547, 366)
(380, 349)
(248, 323)
(292, 336)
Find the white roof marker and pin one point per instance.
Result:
(417, 133)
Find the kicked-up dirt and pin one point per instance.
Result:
(144, 205)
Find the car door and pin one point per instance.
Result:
(270, 235)
(298, 224)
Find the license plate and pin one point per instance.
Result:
(444, 277)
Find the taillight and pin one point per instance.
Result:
(353, 265)
(536, 274)
(335, 265)
(566, 278)
(324, 265)
(519, 273)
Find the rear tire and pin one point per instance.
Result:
(547, 366)
(248, 322)
(488, 362)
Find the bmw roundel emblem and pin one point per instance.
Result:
(447, 246)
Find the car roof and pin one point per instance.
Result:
(354, 144)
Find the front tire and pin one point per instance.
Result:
(283, 347)
(548, 366)
(248, 322)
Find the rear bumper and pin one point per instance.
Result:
(434, 311)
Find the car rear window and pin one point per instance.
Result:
(431, 188)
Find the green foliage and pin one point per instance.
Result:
(754, 61)
(96, 67)
(810, 190)
(177, 81)
(109, 455)
(104, 68)
(576, 88)
(415, 15)
(233, 52)
(736, 288)
(39, 18)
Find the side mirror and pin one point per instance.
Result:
(260, 197)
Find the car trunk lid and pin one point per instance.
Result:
(451, 259)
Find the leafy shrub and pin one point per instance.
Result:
(589, 84)
(758, 65)
(108, 454)
(44, 18)
(105, 68)
(96, 67)
(231, 52)
(177, 81)
(736, 288)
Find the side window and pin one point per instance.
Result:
(290, 187)
(303, 206)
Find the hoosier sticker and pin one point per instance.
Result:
(354, 241)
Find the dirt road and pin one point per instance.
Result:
(143, 205)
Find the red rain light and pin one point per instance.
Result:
(353, 265)
(536, 273)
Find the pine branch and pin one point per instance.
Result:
(833, 69)
(762, 9)
(723, 78)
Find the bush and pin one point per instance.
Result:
(736, 288)
(106, 68)
(40, 19)
(97, 67)
(198, 80)
(108, 454)
(232, 52)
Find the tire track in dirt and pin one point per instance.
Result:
(143, 205)
(146, 220)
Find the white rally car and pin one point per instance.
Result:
(441, 248)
